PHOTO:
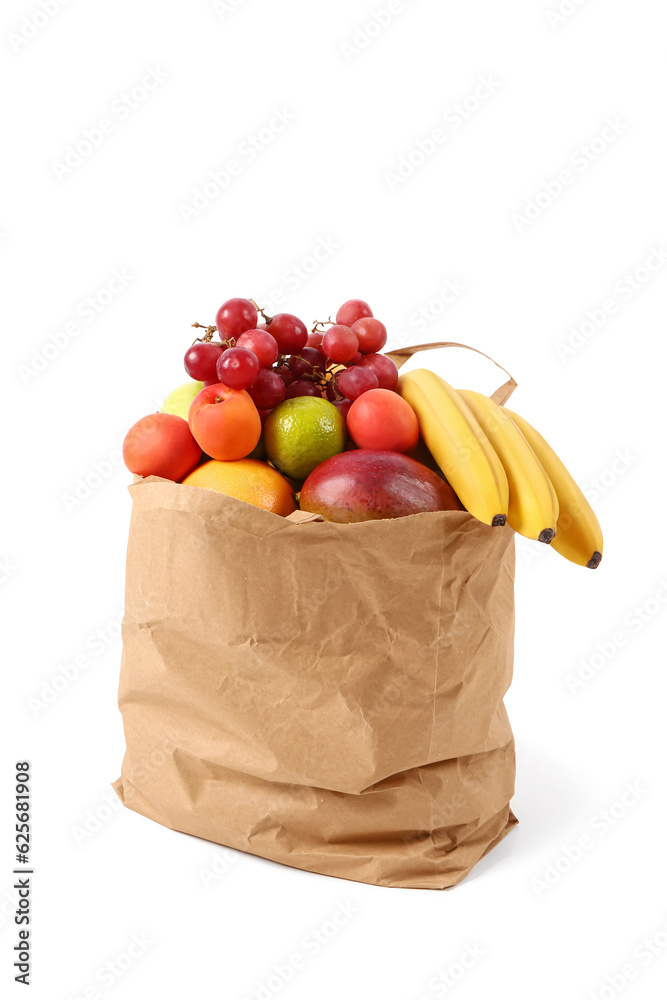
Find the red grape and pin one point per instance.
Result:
(384, 368)
(290, 333)
(308, 361)
(353, 381)
(234, 317)
(343, 405)
(200, 361)
(267, 390)
(263, 414)
(315, 340)
(340, 343)
(262, 344)
(331, 391)
(237, 368)
(286, 375)
(372, 334)
(354, 360)
(302, 388)
(352, 310)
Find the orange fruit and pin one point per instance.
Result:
(246, 479)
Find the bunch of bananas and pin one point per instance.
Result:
(501, 468)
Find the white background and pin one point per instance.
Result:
(323, 180)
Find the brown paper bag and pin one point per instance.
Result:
(324, 695)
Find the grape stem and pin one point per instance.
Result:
(265, 316)
(322, 323)
(208, 336)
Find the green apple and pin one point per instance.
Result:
(179, 400)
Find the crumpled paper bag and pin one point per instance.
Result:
(328, 696)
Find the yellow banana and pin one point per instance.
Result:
(533, 504)
(458, 444)
(578, 535)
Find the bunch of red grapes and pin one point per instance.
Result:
(279, 359)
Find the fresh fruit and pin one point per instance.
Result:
(340, 343)
(578, 533)
(285, 373)
(533, 504)
(371, 334)
(423, 455)
(302, 387)
(315, 340)
(381, 419)
(355, 381)
(225, 422)
(160, 445)
(384, 368)
(234, 317)
(368, 485)
(300, 433)
(343, 407)
(352, 310)
(248, 480)
(458, 444)
(201, 359)
(262, 344)
(267, 390)
(237, 367)
(308, 361)
(290, 333)
(179, 400)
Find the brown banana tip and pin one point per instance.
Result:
(498, 520)
(595, 560)
(546, 535)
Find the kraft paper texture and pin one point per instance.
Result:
(328, 696)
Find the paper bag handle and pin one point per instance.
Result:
(401, 355)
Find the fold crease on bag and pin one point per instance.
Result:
(328, 696)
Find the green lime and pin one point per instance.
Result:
(302, 432)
